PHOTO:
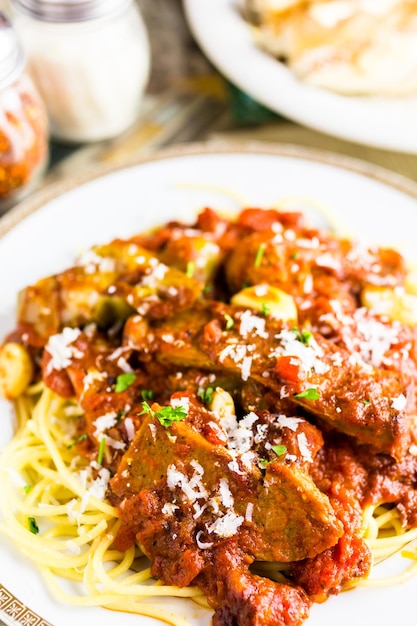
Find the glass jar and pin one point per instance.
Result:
(90, 60)
(23, 123)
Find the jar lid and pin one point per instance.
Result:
(69, 10)
(12, 58)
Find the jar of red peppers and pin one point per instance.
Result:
(23, 123)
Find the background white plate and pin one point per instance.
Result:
(362, 199)
(228, 42)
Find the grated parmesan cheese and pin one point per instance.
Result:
(132, 249)
(246, 367)
(92, 376)
(98, 487)
(93, 263)
(203, 545)
(240, 434)
(169, 508)
(130, 428)
(289, 422)
(261, 432)
(227, 525)
(303, 446)
(249, 511)
(192, 488)
(252, 323)
(376, 338)
(60, 348)
(413, 449)
(308, 354)
(153, 277)
(235, 467)
(248, 459)
(225, 494)
(328, 260)
(236, 352)
(399, 403)
(106, 421)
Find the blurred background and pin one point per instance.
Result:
(180, 97)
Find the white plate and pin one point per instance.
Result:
(44, 233)
(228, 42)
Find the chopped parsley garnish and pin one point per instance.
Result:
(259, 255)
(366, 402)
(308, 394)
(304, 336)
(27, 488)
(167, 415)
(147, 394)
(190, 269)
(78, 440)
(206, 395)
(124, 381)
(294, 255)
(229, 321)
(279, 449)
(33, 526)
(101, 451)
(266, 309)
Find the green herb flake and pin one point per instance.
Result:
(101, 449)
(124, 381)
(304, 336)
(206, 395)
(79, 440)
(266, 309)
(294, 256)
(263, 462)
(279, 449)
(308, 394)
(229, 321)
(259, 255)
(167, 415)
(146, 409)
(27, 488)
(190, 269)
(33, 525)
(147, 394)
(366, 402)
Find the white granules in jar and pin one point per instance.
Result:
(91, 74)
